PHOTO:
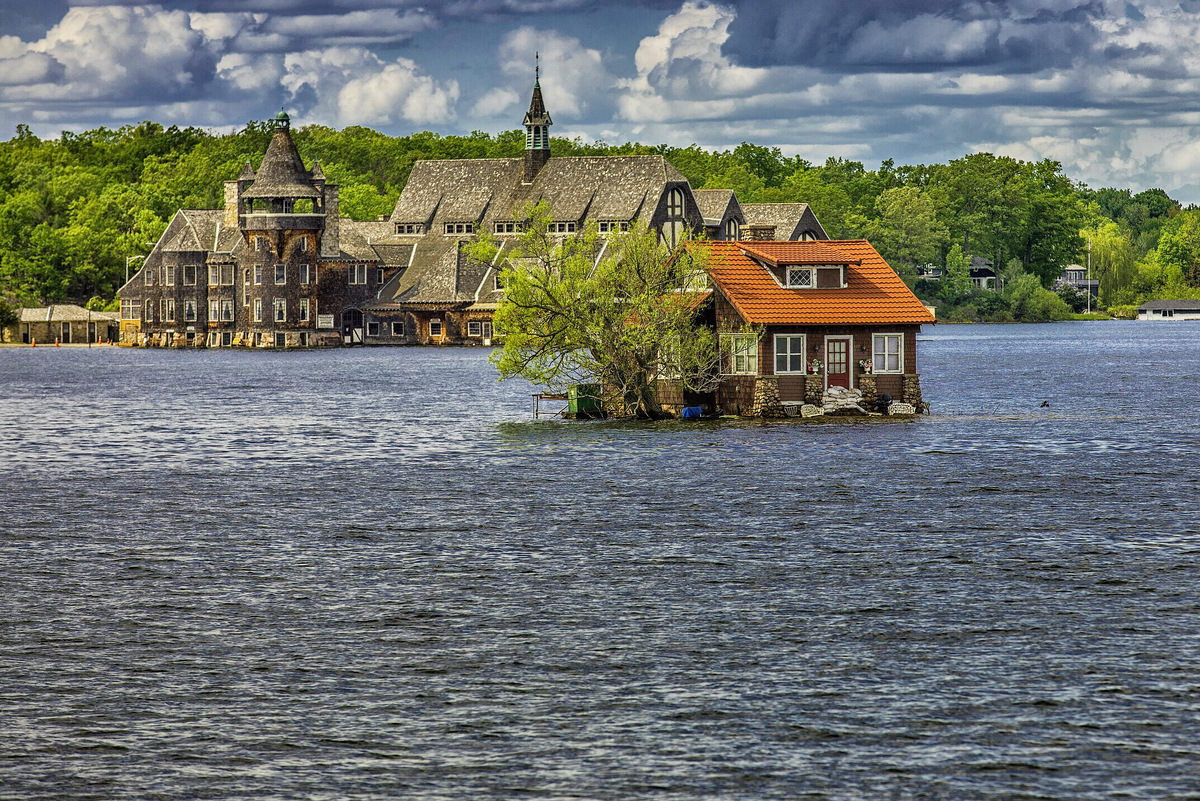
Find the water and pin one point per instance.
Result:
(368, 574)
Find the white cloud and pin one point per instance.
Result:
(495, 103)
(573, 76)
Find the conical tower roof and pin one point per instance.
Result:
(282, 172)
(537, 108)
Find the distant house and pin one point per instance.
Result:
(1075, 275)
(1169, 310)
(833, 314)
(723, 215)
(67, 324)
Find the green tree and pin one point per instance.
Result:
(907, 232)
(1113, 260)
(8, 317)
(1031, 302)
(1179, 246)
(956, 279)
(620, 321)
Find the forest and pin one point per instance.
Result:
(78, 211)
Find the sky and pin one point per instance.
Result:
(1109, 88)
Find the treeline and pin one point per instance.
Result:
(76, 211)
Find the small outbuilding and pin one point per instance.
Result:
(68, 324)
(1169, 310)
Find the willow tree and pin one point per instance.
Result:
(620, 311)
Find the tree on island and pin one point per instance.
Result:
(621, 312)
(8, 317)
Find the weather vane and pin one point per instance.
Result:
(537, 66)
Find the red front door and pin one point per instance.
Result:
(837, 362)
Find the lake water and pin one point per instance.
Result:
(369, 574)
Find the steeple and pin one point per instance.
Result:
(537, 129)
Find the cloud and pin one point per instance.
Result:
(572, 77)
(353, 86)
(495, 103)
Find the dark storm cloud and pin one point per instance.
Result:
(913, 34)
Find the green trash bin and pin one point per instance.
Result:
(583, 399)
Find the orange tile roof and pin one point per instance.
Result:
(873, 295)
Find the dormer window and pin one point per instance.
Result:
(612, 226)
(675, 204)
(562, 228)
(460, 228)
(410, 228)
(508, 227)
(797, 276)
(800, 277)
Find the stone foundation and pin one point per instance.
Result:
(870, 392)
(814, 390)
(912, 392)
(766, 398)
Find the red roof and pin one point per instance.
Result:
(873, 295)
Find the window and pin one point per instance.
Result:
(227, 311)
(743, 353)
(189, 311)
(498, 282)
(801, 277)
(189, 275)
(789, 353)
(261, 244)
(435, 328)
(373, 329)
(410, 228)
(258, 310)
(214, 311)
(304, 244)
(226, 275)
(303, 270)
(398, 329)
(280, 310)
(611, 226)
(149, 311)
(675, 204)
(889, 353)
(129, 309)
(733, 231)
(508, 227)
(562, 228)
(303, 339)
(148, 275)
(226, 339)
(171, 309)
(380, 279)
(474, 329)
(257, 274)
(214, 275)
(304, 310)
(460, 228)
(358, 273)
(247, 278)
(280, 274)
(168, 276)
(487, 329)
(280, 340)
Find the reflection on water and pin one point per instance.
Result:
(369, 574)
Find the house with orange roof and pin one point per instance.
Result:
(830, 313)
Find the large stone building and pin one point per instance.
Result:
(278, 266)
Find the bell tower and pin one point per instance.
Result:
(537, 130)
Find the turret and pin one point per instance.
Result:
(537, 131)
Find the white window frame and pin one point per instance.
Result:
(189, 311)
(186, 268)
(803, 353)
(435, 329)
(357, 274)
(303, 307)
(258, 310)
(397, 328)
(885, 353)
(168, 276)
(812, 276)
(171, 309)
(373, 328)
(214, 275)
(487, 329)
(676, 204)
(227, 311)
(280, 307)
(258, 275)
(280, 273)
(474, 328)
(743, 347)
(149, 310)
(214, 310)
(228, 271)
(148, 276)
(304, 271)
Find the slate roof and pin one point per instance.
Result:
(873, 295)
(714, 204)
(1174, 305)
(785, 217)
(473, 190)
(282, 172)
(65, 313)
